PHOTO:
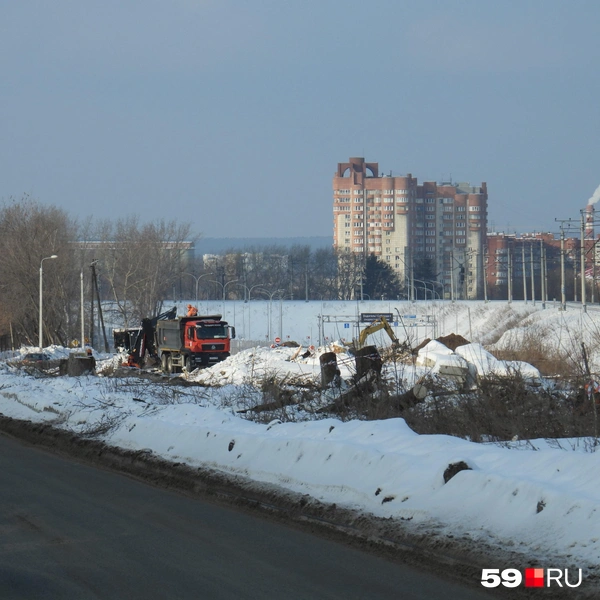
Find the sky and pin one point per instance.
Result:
(533, 498)
(232, 115)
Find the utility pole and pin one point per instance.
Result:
(92, 266)
(532, 274)
(524, 272)
(95, 286)
(543, 271)
(510, 275)
(563, 301)
(485, 263)
(582, 244)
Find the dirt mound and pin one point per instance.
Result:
(452, 341)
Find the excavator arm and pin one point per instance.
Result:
(380, 323)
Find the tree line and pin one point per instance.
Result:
(134, 268)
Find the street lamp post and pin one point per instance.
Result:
(224, 287)
(270, 295)
(197, 280)
(248, 290)
(41, 296)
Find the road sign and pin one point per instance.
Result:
(277, 340)
(370, 317)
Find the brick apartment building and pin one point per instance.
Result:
(403, 222)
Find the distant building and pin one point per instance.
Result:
(185, 249)
(408, 224)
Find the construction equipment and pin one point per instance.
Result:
(377, 325)
(177, 343)
(185, 343)
(139, 342)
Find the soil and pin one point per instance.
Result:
(452, 341)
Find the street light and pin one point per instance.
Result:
(270, 309)
(41, 296)
(248, 290)
(197, 280)
(224, 287)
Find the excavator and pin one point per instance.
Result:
(377, 325)
(140, 342)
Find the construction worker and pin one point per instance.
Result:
(192, 311)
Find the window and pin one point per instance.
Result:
(473, 208)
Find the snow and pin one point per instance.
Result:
(540, 498)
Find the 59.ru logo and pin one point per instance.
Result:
(512, 578)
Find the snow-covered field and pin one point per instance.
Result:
(537, 498)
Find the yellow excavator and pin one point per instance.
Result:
(377, 325)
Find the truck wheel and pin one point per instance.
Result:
(169, 364)
(163, 363)
(188, 366)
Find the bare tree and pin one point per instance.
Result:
(30, 232)
(141, 263)
(350, 271)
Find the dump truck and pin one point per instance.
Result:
(186, 343)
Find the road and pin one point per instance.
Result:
(72, 531)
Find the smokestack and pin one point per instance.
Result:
(589, 222)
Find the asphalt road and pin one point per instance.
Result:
(68, 530)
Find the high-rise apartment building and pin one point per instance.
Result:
(409, 225)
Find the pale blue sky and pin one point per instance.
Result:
(233, 114)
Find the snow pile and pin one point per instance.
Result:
(539, 501)
(486, 363)
(536, 498)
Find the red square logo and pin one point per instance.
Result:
(534, 577)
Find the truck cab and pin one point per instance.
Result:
(186, 343)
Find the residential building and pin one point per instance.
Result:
(410, 225)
